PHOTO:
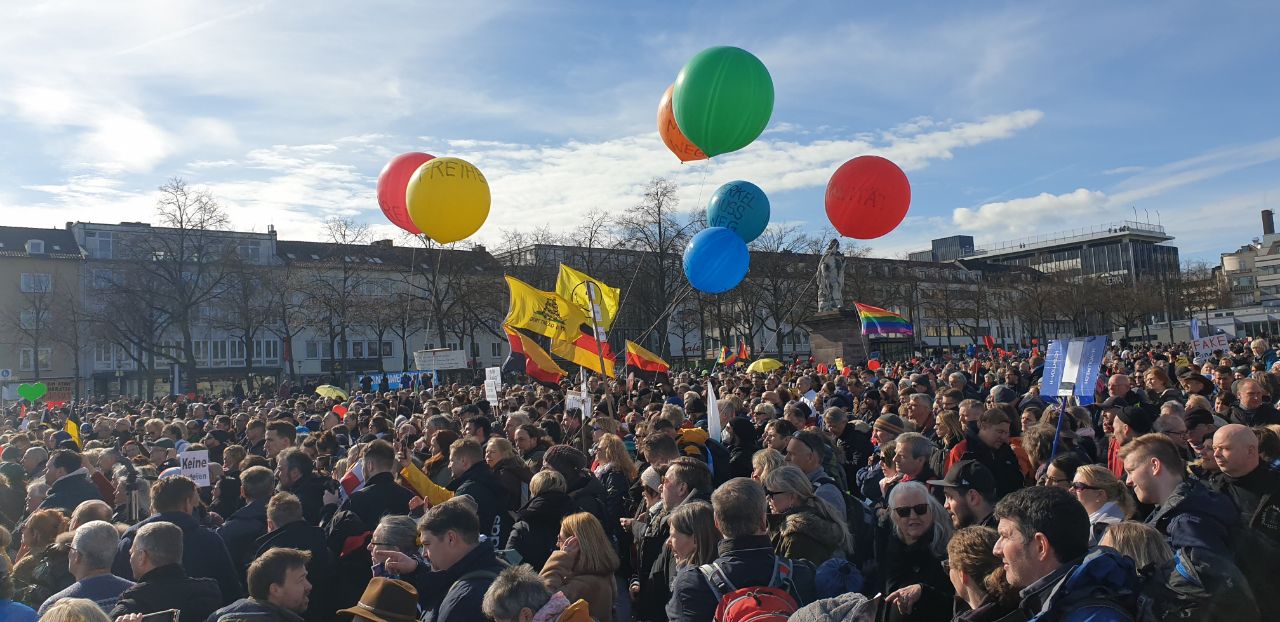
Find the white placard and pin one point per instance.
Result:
(1206, 345)
(443, 358)
(491, 393)
(195, 465)
(494, 375)
(579, 400)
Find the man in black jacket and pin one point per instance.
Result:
(1250, 410)
(381, 495)
(289, 529)
(461, 569)
(278, 590)
(746, 557)
(243, 528)
(68, 480)
(472, 477)
(584, 488)
(295, 471)
(156, 559)
(203, 553)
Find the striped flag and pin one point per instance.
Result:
(353, 480)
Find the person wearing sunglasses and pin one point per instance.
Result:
(911, 573)
(1106, 498)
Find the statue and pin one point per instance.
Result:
(831, 278)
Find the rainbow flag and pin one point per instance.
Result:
(877, 321)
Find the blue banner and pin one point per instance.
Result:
(1071, 367)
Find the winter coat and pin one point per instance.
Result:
(597, 590)
(453, 600)
(616, 486)
(249, 609)
(241, 531)
(654, 568)
(310, 491)
(591, 497)
(203, 554)
(1266, 414)
(746, 562)
(742, 446)
(1194, 516)
(320, 570)
(800, 533)
(169, 587)
(69, 492)
(514, 476)
(1103, 577)
(905, 564)
(381, 495)
(479, 483)
(1002, 462)
(537, 526)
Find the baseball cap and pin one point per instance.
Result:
(969, 475)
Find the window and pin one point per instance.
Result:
(102, 356)
(495, 349)
(26, 362)
(36, 283)
(371, 347)
(475, 350)
(357, 349)
(99, 244)
(200, 350)
(452, 346)
(32, 319)
(386, 349)
(35, 247)
(236, 353)
(266, 351)
(319, 349)
(218, 350)
(103, 278)
(248, 252)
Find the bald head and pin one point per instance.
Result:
(1235, 450)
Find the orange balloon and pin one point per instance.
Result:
(671, 134)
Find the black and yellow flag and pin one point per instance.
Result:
(570, 284)
(544, 313)
(72, 427)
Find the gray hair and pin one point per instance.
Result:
(37, 490)
(942, 528)
(516, 588)
(955, 375)
(1172, 407)
(440, 422)
(399, 531)
(791, 479)
(916, 444)
(41, 453)
(547, 481)
(258, 483)
(740, 507)
(923, 398)
(96, 542)
(161, 541)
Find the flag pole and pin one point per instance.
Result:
(600, 336)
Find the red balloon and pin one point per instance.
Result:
(339, 409)
(873, 364)
(867, 197)
(391, 186)
(671, 134)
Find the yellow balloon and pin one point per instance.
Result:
(448, 199)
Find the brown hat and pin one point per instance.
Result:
(385, 600)
(890, 423)
(565, 459)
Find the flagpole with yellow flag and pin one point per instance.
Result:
(600, 337)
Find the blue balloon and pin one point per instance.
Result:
(716, 260)
(741, 206)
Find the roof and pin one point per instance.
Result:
(383, 254)
(58, 243)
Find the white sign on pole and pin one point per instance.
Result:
(442, 358)
(491, 392)
(575, 399)
(195, 465)
(494, 375)
(1206, 345)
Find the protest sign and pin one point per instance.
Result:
(195, 465)
(1205, 346)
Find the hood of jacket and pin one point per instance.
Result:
(1214, 516)
(805, 523)
(587, 485)
(1102, 571)
(550, 506)
(515, 466)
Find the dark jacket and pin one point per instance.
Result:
(452, 600)
(1103, 578)
(310, 491)
(203, 553)
(905, 564)
(250, 610)
(800, 533)
(537, 526)
(616, 500)
(320, 570)
(1002, 462)
(1266, 414)
(654, 568)
(229, 499)
(746, 562)
(241, 531)
(742, 445)
(69, 492)
(380, 496)
(1194, 516)
(590, 495)
(169, 587)
(479, 483)
(514, 476)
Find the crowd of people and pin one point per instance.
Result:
(947, 488)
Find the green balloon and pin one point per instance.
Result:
(723, 99)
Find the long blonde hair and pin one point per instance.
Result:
(74, 610)
(595, 551)
(791, 479)
(1106, 481)
(611, 449)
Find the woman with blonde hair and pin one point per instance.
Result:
(694, 538)
(978, 575)
(617, 471)
(1106, 498)
(74, 610)
(583, 566)
(511, 471)
(801, 525)
(766, 460)
(1142, 543)
(533, 534)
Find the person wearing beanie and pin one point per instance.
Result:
(583, 487)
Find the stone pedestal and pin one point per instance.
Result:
(836, 334)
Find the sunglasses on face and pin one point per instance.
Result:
(905, 511)
(1078, 486)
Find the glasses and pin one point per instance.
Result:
(770, 493)
(946, 565)
(1078, 486)
(596, 428)
(905, 511)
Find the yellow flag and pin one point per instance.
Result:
(570, 285)
(583, 352)
(545, 313)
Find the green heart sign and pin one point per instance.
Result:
(32, 392)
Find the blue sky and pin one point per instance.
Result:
(1010, 119)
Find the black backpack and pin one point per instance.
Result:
(1198, 586)
(860, 520)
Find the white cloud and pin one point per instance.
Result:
(1020, 217)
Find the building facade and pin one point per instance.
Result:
(40, 278)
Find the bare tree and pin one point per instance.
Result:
(287, 310)
(784, 263)
(29, 318)
(336, 285)
(658, 233)
(245, 307)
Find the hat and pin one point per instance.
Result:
(890, 423)
(1002, 394)
(1206, 385)
(1137, 418)
(1114, 402)
(1198, 417)
(61, 435)
(386, 600)
(163, 443)
(969, 475)
(651, 479)
(565, 459)
(221, 436)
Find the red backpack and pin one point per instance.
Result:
(769, 603)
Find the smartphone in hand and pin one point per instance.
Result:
(168, 615)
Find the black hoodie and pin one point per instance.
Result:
(537, 526)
